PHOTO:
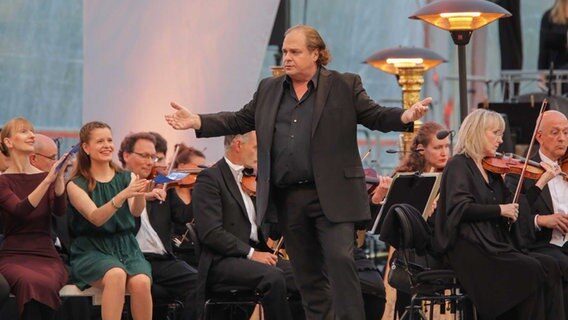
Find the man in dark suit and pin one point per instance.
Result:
(172, 279)
(234, 252)
(309, 167)
(545, 229)
(548, 221)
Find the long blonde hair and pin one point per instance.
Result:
(471, 137)
(558, 12)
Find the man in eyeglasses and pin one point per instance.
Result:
(45, 152)
(172, 279)
(43, 158)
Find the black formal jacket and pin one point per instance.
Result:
(221, 219)
(163, 215)
(341, 103)
(540, 202)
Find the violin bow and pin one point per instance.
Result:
(171, 166)
(365, 155)
(529, 151)
(278, 245)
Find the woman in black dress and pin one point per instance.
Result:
(475, 228)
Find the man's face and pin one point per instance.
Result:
(553, 136)
(44, 157)
(299, 62)
(141, 159)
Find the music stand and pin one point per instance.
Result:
(418, 190)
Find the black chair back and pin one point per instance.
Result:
(192, 233)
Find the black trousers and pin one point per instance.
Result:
(172, 279)
(560, 257)
(321, 254)
(273, 282)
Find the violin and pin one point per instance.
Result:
(503, 164)
(248, 183)
(564, 165)
(157, 170)
(186, 182)
(189, 180)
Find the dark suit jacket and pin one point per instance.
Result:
(221, 219)
(540, 203)
(163, 215)
(341, 103)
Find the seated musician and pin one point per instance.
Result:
(187, 157)
(475, 229)
(547, 224)
(173, 279)
(234, 252)
(43, 158)
(427, 154)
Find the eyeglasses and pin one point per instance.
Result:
(147, 156)
(52, 158)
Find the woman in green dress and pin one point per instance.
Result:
(104, 252)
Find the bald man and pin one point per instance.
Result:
(545, 229)
(43, 158)
(45, 152)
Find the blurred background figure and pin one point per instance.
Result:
(553, 50)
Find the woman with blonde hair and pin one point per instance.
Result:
(476, 228)
(28, 197)
(105, 253)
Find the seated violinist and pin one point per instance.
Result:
(427, 154)
(187, 158)
(547, 224)
(233, 249)
(172, 279)
(476, 229)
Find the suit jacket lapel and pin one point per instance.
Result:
(231, 184)
(324, 84)
(545, 194)
(266, 126)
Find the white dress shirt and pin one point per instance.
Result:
(147, 238)
(558, 190)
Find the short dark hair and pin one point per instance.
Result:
(127, 145)
(161, 143)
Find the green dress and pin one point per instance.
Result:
(95, 250)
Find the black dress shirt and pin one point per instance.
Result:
(292, 136)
